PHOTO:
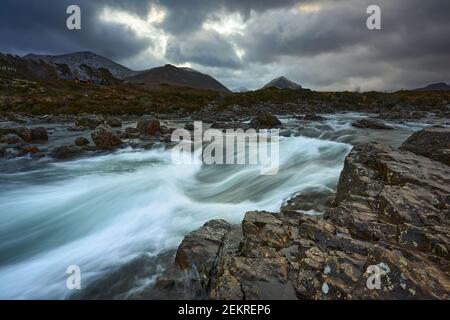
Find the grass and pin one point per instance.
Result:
(69, 97)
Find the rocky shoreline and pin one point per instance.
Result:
(390, 213)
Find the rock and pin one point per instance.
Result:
(39, 134)
(11, 116)
(81, 141)
(106, 138)
(23, 132)
(77, 128)
(265, 120)
(125, 282)
(371, 124)
(199, 249)
(12, 139)
(390, 215)
(431, 142)
(313, 117)
(114, 121)
(148, 126)
(89, 121)
(28, 149)
(189, 126)
(66, 152)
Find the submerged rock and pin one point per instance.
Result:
(371, 124)
(66, 152)
(313, 117)
(106, 138)
(431, 142)
(81, 141)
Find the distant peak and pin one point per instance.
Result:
(282, 83)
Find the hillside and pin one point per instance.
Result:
(174, 76)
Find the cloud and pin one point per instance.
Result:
(321, 44)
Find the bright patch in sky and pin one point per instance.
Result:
(144, 28)
(309, 7)
(225, 24)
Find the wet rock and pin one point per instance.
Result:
(77, 128)
(66, 152)
(12, 139)
(148, 125)
(189, 126)
(28, 150)
(431, 142)
(105, 138)
(132, 133)
(371, 124)
(81, 141)
(11, 116)
(127, 281)
(265, 120)
(39, 134)
(23, 132)
(199, 249)
(313, 117)
(114, 121)
(89, 121)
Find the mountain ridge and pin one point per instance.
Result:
(282, 83)
(176, 76)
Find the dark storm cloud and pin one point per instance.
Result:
(40, 26)
(205, 48)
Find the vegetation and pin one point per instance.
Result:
(71, 97)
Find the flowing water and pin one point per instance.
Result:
(102, 211)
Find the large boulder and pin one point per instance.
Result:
(431, 142)
(39, 134)
(89, 121)
(371, 124)
(265, 120)
(106, 138)
(148, 126)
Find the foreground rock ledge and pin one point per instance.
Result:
(391, 215)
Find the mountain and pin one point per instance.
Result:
(440, 86)
(241, 89)
(76, 60)
(282, 83)
(181, 77)
(39, 69)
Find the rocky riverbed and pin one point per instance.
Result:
(100, 192)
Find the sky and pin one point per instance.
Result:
(320, 44)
